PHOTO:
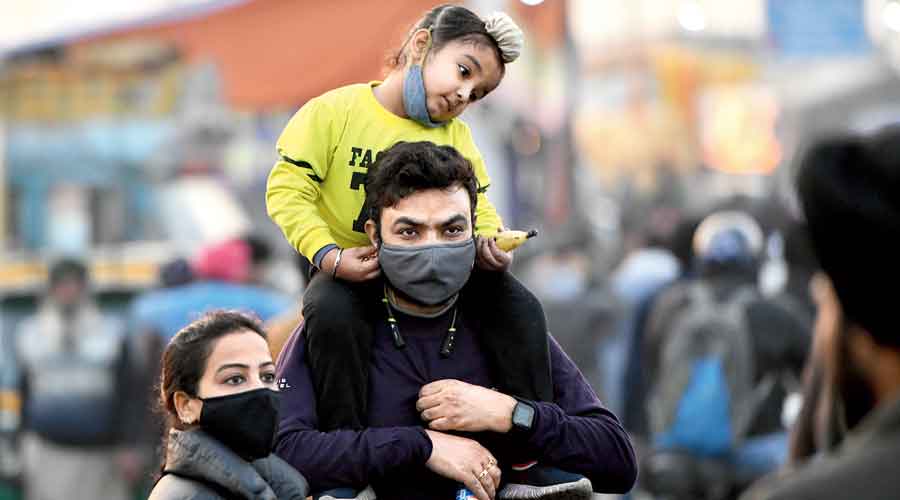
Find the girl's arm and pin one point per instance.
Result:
(487, 220)
(304, 150)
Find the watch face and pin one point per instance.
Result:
(523, 416)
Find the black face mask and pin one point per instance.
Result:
(245, 422)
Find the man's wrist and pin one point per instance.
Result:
(506, 404)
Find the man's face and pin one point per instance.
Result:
(429, 217)
(68, 292)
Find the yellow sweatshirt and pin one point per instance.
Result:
(316, 191)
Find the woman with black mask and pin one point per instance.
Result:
(219, 396)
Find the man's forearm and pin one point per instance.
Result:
(352, 458)
(595, 445)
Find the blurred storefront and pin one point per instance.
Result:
(102, 127)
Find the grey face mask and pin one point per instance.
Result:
(430, 274)
(414, 101)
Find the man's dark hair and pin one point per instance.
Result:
(68, 268)
(850, 191)
(409, 167)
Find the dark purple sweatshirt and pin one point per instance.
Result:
(574, 433)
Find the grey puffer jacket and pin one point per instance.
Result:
(198, 467)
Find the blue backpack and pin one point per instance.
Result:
(704, 397)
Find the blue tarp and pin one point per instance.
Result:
(168, 310)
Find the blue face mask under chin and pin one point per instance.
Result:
(414, 102)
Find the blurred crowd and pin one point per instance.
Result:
(703, 339)
(83, 379)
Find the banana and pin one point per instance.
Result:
(510, 240)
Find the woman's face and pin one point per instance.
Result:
(239, 362)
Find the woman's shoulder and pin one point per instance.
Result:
(174, 487)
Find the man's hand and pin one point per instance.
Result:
(357, 263)
(465, 461)
(490, 257)
(452, 405)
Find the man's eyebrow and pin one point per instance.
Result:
(407, 220)
(475, 62)
(456, 219)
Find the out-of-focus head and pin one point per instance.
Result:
(728, 239)
(798, 251)
(849, 188)
(68, 280)
(229, 261)
(176, 272)
(681, 242)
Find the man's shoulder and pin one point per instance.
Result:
(869, 474)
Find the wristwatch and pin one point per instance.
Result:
(522, 416)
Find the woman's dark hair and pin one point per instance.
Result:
(450, 23)
(184, 360)
(408, 167)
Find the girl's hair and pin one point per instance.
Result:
(450, 23)
(184, 360)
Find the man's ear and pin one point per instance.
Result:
(372, 232)
(418, 46)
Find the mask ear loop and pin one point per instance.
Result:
(427, 43)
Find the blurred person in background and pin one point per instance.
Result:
(449, 60)
(646, 267)
(77, 419)
(219, 277)
(849, 189)
(680, 244)
(802, 265)
(720, 360)
(220, 398)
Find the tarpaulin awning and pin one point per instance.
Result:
(280, 53)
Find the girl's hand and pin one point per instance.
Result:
(357, 264)
(490, 257)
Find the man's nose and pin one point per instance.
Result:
(432, 236)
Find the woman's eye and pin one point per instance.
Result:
(235, 380)
(464, 71)
(267, 378)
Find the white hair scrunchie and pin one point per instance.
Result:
(507, 34)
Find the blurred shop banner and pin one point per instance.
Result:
(817, 28)
(737, 129)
